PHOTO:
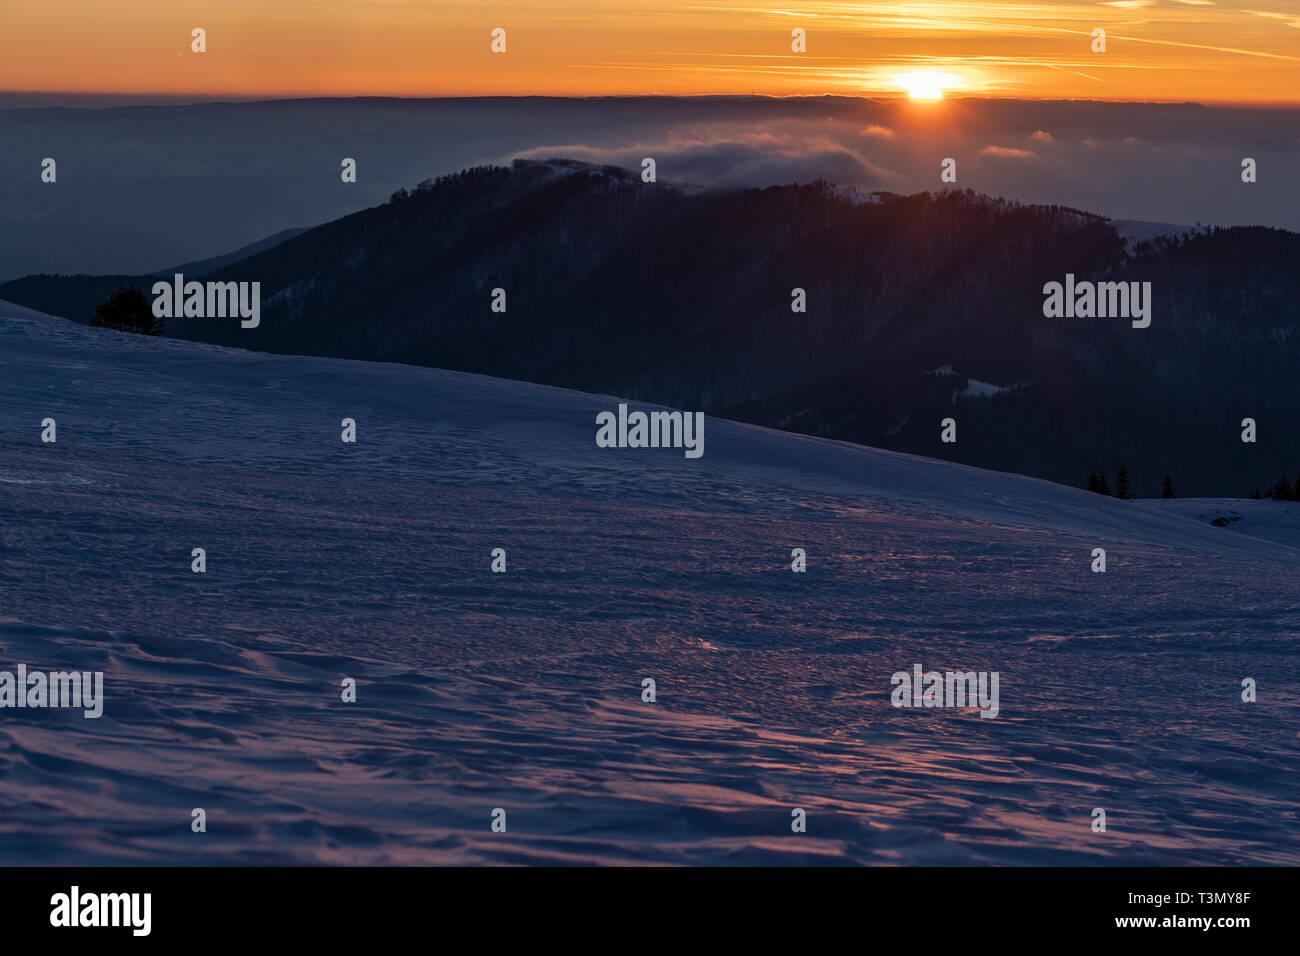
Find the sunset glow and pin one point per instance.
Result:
(1171, 50)
(925, 84)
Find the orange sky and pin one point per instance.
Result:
(1207, 50)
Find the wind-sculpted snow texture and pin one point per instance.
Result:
(522, 690)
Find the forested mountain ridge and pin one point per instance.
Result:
(918, 308)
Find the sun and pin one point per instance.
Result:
(926, 84)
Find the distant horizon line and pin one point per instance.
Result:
(128, 98)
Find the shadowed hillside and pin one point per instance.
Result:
(918, 308)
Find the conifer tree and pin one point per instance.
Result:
(1281, 490)
(1122, 487)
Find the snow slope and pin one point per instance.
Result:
(523, 690)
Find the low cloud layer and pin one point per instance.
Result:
(1177, 163)
(755, 159)
(116, 210)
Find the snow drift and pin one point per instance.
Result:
(522, 690)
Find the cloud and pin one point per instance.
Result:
(1008, 152)
(1067, 153)
(1290, 18)
(757, 159)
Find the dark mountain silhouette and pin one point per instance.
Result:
(919, 308)
(204, 266)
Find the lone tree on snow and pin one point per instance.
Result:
(127, 310)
